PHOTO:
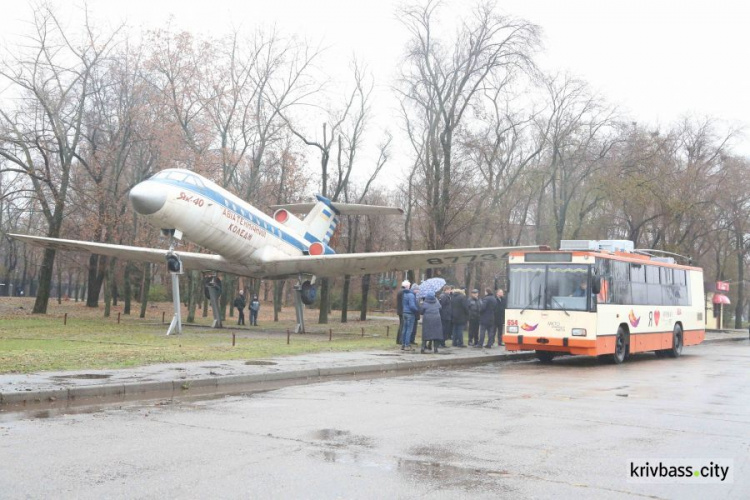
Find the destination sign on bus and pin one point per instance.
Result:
(549, 257)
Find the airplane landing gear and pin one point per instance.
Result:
(174, 266)
(212, 289)
(304, 294)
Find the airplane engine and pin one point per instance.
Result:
(308, 293)
(283, 216)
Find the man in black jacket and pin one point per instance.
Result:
(459, 317)
(400, 309)
(474, 304)
(500, 316)
(445, 313)
(239, 303)
(487, 319)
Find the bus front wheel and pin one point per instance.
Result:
(545, 357)
(676, 349)
(621, 347)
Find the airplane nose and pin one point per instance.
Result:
(147, 198)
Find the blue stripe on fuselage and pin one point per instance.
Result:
(218, 198)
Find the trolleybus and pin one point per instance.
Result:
(602, 298)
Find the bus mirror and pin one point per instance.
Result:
(596, 285)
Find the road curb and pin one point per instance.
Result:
(228, 384)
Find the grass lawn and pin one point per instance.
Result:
(31, 343)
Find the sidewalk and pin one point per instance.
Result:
(61, 389)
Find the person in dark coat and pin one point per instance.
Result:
(487, 319)
(254, 309)
(239, 303)
(459, 317)
(445, 313)
(500, 315)
(413, 338)
(400, 309)
(432, 325)
(474, 304)
(410, 311)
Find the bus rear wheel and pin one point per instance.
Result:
(545, 357)
(621, 347)
(676, 349)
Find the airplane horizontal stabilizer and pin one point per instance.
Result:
(342, 209)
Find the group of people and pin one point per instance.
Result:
(239, 304)
(446, 317)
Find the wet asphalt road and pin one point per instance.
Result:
(513, 430)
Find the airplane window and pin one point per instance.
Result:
(194, 180)
(176, 176)
(160, 175)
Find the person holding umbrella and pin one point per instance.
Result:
(432, 325)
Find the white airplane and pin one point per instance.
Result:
(249, 243)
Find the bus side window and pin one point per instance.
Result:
(638, 283)
(680, 287)
(653, 285)
(604, 275)
(667, 286)
(620, 289)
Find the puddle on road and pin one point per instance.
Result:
(339, 438)
(432, 470)
(82, 376)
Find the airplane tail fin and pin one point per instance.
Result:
(323, 216)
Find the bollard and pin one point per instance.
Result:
(233, 339)
(387, 331)
(363, 333)
(118, 318)
(330, 334)
(162, 317)
(65, 319)
(287, 336)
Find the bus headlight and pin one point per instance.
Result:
(513, 329)
(578, 332)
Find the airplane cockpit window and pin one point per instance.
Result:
(160, 175)
(195, 181)
(176, 176)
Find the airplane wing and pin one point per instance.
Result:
(321, 265)
(190, 260)
(376, 262)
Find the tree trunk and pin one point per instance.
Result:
(145, 286)
(365, 296)
(127, 288)
(194, 283)
(345, 299)
(109, 278)
(278, 295)
(740, 290)
(324, 300)
(45, 280)
(97, 267)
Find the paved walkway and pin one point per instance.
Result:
(218, 377)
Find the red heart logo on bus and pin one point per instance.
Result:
(656, 317)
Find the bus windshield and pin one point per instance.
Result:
(549, 287)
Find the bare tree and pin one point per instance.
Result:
(41, 136)
(442, 79)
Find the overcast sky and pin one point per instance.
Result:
(655, 59)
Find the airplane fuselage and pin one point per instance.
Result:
(214, 218)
